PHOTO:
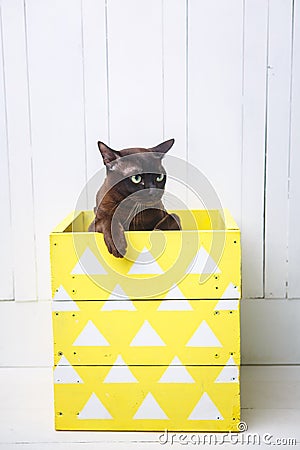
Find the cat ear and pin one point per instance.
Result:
(163, 148)
(108, 154)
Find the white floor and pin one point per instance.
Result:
(270, 408)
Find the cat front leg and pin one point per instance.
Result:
(118, 244)
(114, 237)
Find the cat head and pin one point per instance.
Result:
(136, 171)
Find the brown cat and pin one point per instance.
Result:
(130, 197)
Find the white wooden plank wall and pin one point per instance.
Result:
(21, 162)
(174, 79)
(277, 156)
(135, 72)
(294, 167)
(215, 56)
(222, 77)
(253, 149)
(7, 285)
(55, 62)
(96, 108)
(174, 67)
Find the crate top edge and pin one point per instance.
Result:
(230, 223)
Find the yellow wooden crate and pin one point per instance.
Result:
(162, 357)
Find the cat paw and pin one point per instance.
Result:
(116, 247)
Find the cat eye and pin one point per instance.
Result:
(160, 177)
(136, 179)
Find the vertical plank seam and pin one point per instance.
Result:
(31, 150)
(7, 142)
(163, 67)
(266, 150)
(84, 102)
(290, 145)
(107, 71)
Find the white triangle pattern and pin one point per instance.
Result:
(227, 305)
(204, 337)
(174, 293)
(203, 263)
(63, 362)
(94, 409)
(91, 336)
(118, 294)
(231, 292)
(64, 306)
(66, 375)
(141, 266)
(61, 294)
(150, 409)
(120, 373)
(118, 305)
(205, 409)
(176, 373)
(88, 264)
(229, 374)
(147, 336)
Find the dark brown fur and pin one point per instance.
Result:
(118, 196)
